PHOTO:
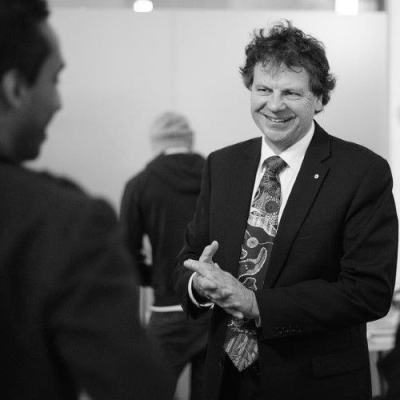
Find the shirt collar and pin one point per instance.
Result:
(294, 155)
(176, 150)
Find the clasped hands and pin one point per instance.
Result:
(221, 287)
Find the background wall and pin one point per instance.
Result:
(125, 68)
(394, 100)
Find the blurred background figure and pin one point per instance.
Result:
(389, 364)
(68, 294)
(157, 204)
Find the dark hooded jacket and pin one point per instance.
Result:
(159, 202)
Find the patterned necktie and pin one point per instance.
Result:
(262, 224)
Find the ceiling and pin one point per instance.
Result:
(364, 5)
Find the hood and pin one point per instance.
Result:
(182, 171)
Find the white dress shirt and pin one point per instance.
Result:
(293, 156)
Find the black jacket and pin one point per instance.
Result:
(332, 268)
(160, 202)
(68, 297)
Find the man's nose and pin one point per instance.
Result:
(275, 103)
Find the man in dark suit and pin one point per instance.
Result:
(294, 241)
(68, 295)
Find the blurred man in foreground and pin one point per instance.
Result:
(68, 296)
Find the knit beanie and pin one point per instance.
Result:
(171, 125)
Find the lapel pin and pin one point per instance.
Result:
(316, 176)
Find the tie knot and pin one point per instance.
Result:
(275, 164)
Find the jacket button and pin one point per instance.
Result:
(221, 362)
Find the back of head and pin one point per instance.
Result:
(284, 45)
(22, 45)
(171, 129)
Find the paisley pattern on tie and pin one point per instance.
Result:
(262, 224)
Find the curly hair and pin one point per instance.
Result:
(22, 44)
(286, 45)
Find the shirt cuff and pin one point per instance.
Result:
(200, 305)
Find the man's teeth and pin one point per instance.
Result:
(278, 119)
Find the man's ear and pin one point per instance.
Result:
(12, 88)
(319, 106)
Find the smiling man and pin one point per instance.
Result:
(293, 245)
(282, 104)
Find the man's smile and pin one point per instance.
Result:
(278, 120)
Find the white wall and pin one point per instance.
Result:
(125, 68)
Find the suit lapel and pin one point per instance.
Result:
(308, 183)
(243, 171)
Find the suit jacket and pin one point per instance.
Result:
(332, 266)
(68, 297)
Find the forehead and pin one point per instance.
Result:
(282, 74)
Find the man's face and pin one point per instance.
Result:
(40, 102)
(282, 105)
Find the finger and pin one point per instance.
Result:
(238, 314)
(204, 283)
(235, 313)
(197, 266)
(209, 293)
(209, 252)
(200, 291)
(203, 269)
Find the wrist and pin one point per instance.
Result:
(195, 297)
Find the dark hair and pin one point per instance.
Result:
(22, 44)
(285, 45)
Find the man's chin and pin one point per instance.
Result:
(30, 155)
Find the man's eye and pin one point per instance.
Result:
(292, 95)
(262, 91)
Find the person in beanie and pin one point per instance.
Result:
(158, 203)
